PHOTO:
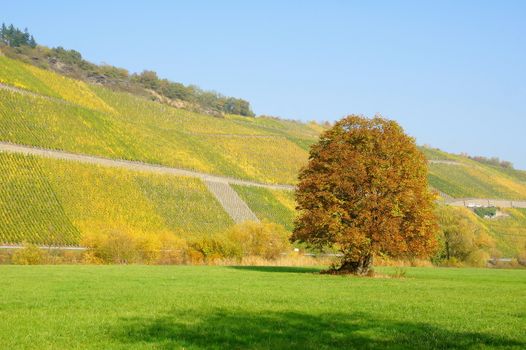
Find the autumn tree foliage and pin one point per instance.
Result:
(365, 192)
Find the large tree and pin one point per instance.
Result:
(365, 192)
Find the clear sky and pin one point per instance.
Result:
(453, 73)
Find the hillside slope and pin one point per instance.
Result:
(65, 114)
(48, 201)
(461, 177)
(61, 113)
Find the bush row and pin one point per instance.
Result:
(267, 241)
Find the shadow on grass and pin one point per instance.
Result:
(285, 269)
(293, 330)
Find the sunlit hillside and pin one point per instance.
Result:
(48, 201)
(461, 177)
(70, 115)
(509, 232)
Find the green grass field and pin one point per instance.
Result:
(181, 307)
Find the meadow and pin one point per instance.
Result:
(200, 307)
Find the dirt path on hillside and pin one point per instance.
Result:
(31, 93)
(160, 169)
(486, 202)
(447, 162)
(132, 165)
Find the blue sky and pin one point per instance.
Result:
(453, 73)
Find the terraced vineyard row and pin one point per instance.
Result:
(474, 181)
(273, 205)
(47, 83)
(102, 122)
(509, 232)
(47, 201)
(29, 209)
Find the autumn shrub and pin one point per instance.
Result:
(214, 248)
(29, 255)
(521, 258)
(478, 258)
(114, 247)
(195, 257)
(451, 262)
(386, 261)
(264, 241)
(119, 247)
(174, 250)
(5, 257)
(290, 259)
(267, 240)
(148, 247)
(463, 240)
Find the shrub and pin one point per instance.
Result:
(214, 248)
(174, 250)
(195, 257)
(29, 255)
(267, 240)
(120, 247)
(148, 247)
(483, 212)
(521, 258)
(90, 257)
(478, 258)
(116, 247)
(452, 262)
(6, 257)
(462, 238)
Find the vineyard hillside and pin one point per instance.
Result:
(48, 201)
(60, 113)
(461, 177)
(51, 111)
(53, 202)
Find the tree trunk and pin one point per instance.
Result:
(357, 267)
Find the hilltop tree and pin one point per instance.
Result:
(14, 37)
(71, 63)
(365, 192)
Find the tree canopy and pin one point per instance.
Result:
(14, 37)
(365, 193)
